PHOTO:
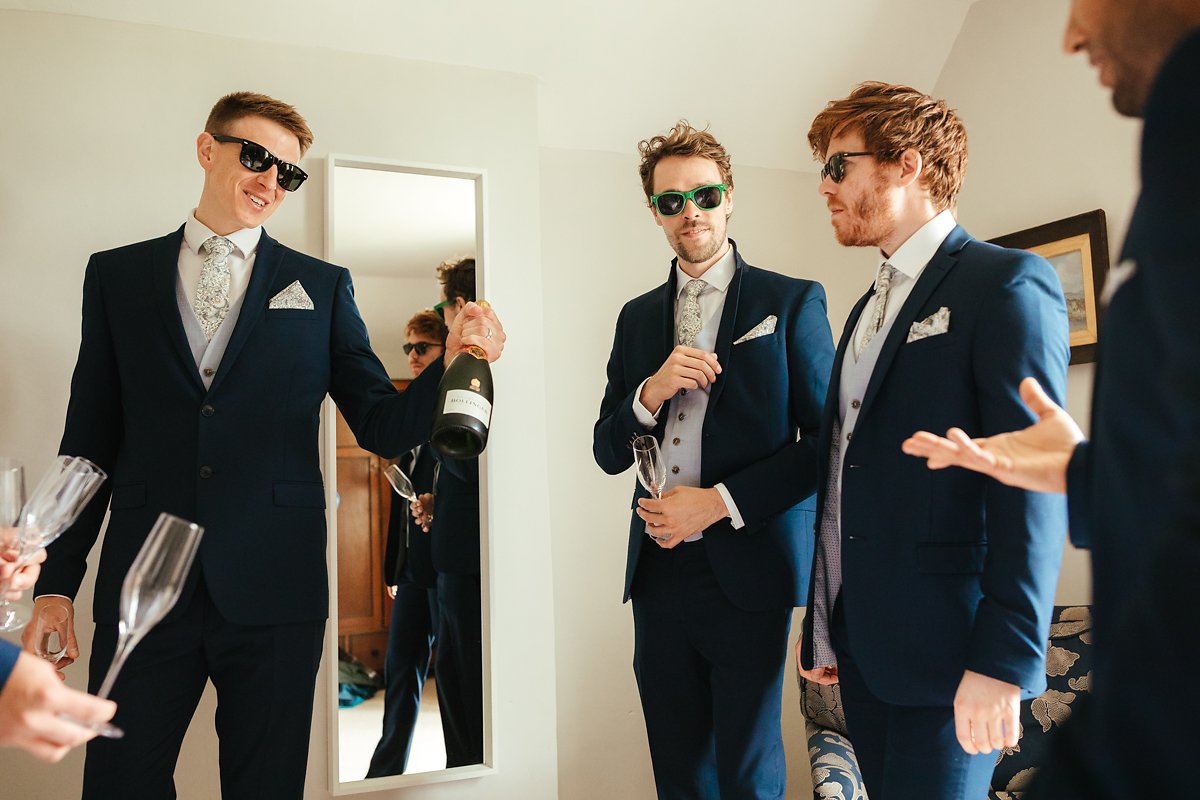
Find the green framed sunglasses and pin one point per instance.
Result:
(670, 204)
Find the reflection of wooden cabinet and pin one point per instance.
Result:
(364, 610)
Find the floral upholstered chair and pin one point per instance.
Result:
(835, 774)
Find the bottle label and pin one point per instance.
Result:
(461, 401)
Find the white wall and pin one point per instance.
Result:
(99, 128)
(386, 305)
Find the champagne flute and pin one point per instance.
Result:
(12, 497)
(651, 469)
(400, 482)
(151, 588)
(49, 637)
(55, 504)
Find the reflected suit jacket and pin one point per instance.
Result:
(946, 570)
(759, 430)
(240, 459)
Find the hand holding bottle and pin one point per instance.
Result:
(475, 326)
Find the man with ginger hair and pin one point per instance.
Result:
(931, 592)
(726, 365)
(204, 359)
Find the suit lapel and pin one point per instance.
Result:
(931, 277)
(832, 397)
(165, 272)
(729, 314)
(267, 259)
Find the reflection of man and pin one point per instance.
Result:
(204, 360)
(1134, 489)
(410, 580)
(931, 594)
(726, 365)
(32, 698)
(454, 539)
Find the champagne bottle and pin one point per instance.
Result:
(464, 405)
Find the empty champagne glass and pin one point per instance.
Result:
(49, 637)
(12, 497)
(651, 470)
(400, 482)
(55, 504)
(151, 588)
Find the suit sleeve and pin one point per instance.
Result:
(385, 421)
(1022, 332)
(617, 424)
(1078, 517)
(789, 475)
(93, 429)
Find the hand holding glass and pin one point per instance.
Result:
(50, 632)
(651, 470)
(400, 482)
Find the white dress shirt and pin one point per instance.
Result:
(240, 262)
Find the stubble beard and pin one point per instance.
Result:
(871, 224)
(700, 252)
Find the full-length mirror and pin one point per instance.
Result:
(406, 629)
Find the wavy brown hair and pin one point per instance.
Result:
(458, 276)
(682, 140)
(234, 106)
(893, 119)
(428, 324)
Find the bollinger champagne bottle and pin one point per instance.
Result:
(464, 406)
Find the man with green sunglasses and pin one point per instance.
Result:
(726, 366)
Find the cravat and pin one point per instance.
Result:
(689, 318)
(883, 282)
(212, 293)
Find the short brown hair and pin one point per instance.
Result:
(458, 276)
(428, 324)
(893, 119)
(682, 140)
(233, 107)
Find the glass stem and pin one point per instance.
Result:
(125, 644)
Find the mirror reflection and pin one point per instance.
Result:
(408, 621)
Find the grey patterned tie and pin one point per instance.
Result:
(212, 293)
(689, 317)
(828, 572)
(883, 282)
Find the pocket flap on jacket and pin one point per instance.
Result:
(128, 495)
(302, 495)
(951, 558)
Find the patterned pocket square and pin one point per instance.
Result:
(935, 324)
(293, 296)
(764, 328)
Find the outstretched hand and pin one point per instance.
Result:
(1034, 458)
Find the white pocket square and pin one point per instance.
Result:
(935, 324)
(764, 328)
(293, 296)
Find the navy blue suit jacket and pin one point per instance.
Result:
(759, 429)
(454, 533)
(241, 458)
(407, 550)
(948, 570)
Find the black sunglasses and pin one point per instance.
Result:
(421, 347)
(835, 167)
(257, 158)
(707, 198)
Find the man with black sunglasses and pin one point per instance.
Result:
(931, 592)
(726, 365)
(205, 357)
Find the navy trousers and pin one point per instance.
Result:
(410, 643)
(710, 677)
(264, 676)
(459, 667)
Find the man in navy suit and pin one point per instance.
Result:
(931, 592)
(1134, 489)
(205, 357)
(726, 366)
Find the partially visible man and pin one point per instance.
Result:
(1134, 489)
(410, 580)
(931, 592)
(726, 365)
(205, 356)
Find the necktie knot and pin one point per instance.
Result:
(883, 283)
(217, 247)
(689, 316)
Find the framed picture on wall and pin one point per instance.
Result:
(1077, 248)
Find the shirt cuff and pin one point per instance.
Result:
(643, 414)
(735, 516)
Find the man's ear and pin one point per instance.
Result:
(204, 150)
(911, 165)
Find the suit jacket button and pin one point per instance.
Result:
(207, 410)
(209, 372)
(206, 472)
(855, 404)
(675, 441)
(675, 470)
(682, 416)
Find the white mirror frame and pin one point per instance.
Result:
(337, 787)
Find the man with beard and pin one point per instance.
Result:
(726, 365)
(931, 591)
(1134, 489)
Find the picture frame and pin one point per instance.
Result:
(1077, 248)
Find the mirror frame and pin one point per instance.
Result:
(338, 787)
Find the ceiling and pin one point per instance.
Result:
(612, 73)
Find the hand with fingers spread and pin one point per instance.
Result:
(686, 368)
(31, 702)
(681, 512)
(986, 713)
(1035, 458)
